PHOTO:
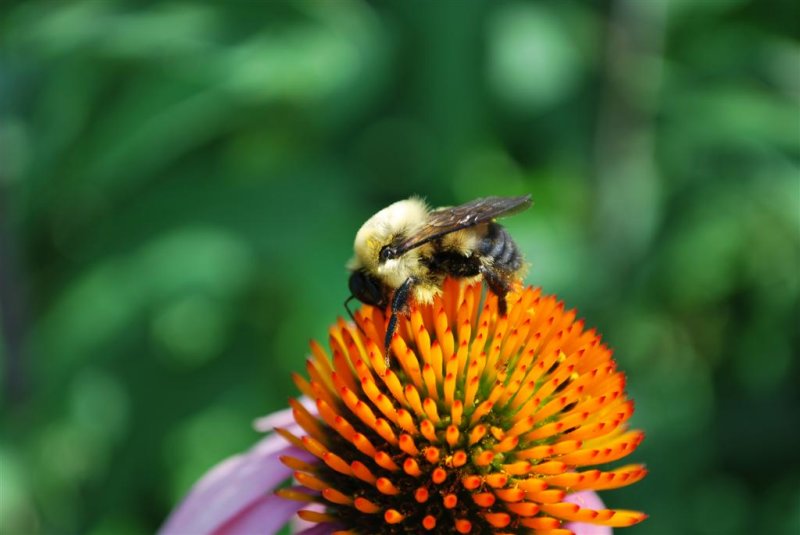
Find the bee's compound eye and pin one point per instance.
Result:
(386, 252)
(367, 289)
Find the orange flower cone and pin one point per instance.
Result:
(482, 424)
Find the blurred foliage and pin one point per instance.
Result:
(180, 184)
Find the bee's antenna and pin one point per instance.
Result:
(352, 316)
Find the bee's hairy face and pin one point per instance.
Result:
(388, 226)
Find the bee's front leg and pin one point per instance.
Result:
(399, 302)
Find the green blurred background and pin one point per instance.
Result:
(180, 184)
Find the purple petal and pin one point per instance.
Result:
(588, 500)
(267, 515)
(233, 486)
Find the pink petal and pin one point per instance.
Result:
(232, 487)
(589, 500)
(267, 515)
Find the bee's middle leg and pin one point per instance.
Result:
(498, 285)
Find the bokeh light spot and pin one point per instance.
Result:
(192, 329)
(532, 59)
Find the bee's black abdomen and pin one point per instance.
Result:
(500, 247)
(509, 252)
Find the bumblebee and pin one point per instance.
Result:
(406, 250)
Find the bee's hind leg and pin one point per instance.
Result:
(498, 286)
(399, 303)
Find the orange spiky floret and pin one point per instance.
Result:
(483, 423)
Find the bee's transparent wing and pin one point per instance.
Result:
(446, 220)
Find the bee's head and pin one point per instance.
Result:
(373, 243)
(368, 289)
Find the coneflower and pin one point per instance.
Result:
(482, 424)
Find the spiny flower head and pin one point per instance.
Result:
(483, 423)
